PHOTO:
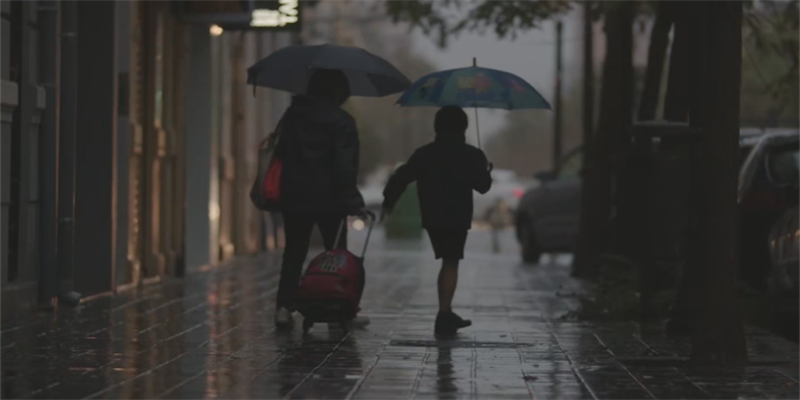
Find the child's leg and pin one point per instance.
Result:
(448, 279)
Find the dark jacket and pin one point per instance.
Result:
(319, 148)
(446, 172)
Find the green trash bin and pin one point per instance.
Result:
(405, 222)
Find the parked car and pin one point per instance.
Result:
(784, 249)
(548, 215)
(767, 173)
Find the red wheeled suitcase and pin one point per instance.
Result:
(330, 289)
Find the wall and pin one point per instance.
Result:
(23, 103)
(165, 154)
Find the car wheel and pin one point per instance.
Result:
(530, 249)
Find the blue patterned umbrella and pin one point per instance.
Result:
(473, 87)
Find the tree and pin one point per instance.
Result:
(769, 47)
(719, 337)
(616, 104)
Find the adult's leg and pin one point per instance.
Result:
(297, 230)
(329, 225)
(448, 280)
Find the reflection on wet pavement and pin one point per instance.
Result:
(210, 335)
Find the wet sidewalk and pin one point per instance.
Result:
(210, 335)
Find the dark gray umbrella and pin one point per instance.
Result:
(290, 69)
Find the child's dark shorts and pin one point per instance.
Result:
(448, 243)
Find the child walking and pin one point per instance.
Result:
(446, 171)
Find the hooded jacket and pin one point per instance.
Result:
(319, 148)
(446, 172)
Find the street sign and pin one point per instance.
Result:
(271, 15)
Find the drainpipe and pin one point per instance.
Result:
(66, 153)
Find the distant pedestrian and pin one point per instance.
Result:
(498, 216)
(319, 149)
(446, 172)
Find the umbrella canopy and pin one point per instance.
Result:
(290, 69)
(473, 87)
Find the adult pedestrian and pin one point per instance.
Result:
(319, 148)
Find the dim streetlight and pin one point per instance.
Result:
(215, 30)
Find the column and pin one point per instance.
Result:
(96, 149)
(48, 148)
(9, 100)
(266, 123)
(20, 161)
(125, 44)
(247, 156)
(228, 48)
(200, 124)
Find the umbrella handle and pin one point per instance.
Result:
(477, 127)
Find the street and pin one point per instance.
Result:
(210, 335)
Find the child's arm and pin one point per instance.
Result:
(481, 174)
(401, 178)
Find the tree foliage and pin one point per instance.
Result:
(443, 19)
(772, 28)
(770, 81)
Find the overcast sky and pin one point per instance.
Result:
(531, 56)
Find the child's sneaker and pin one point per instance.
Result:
(449, 323)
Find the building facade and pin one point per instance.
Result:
(128, 146)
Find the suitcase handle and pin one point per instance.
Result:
(366, 242)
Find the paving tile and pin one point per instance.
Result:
(210, 335)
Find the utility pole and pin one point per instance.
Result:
(588, 79)
(557, 131)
